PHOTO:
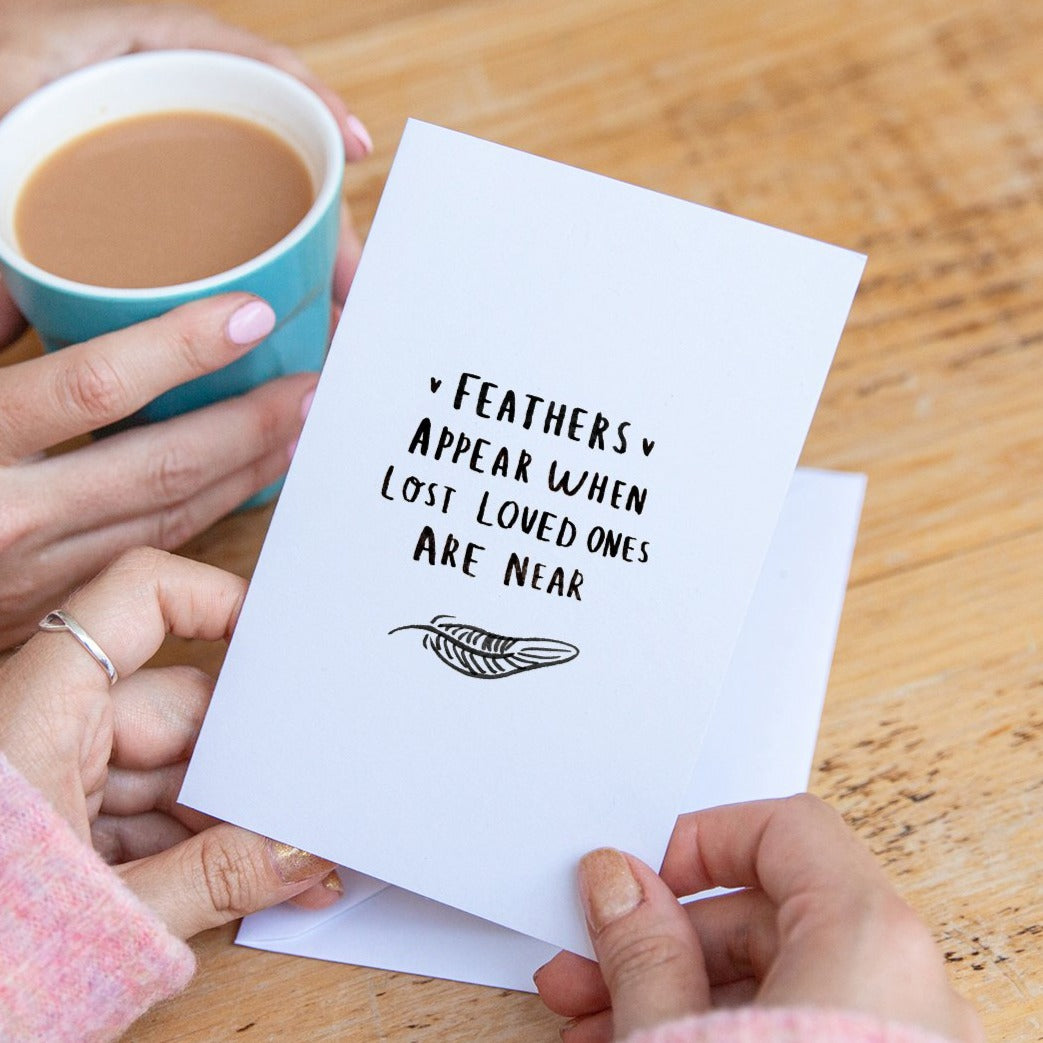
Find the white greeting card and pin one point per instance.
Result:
(760, 743)
(521, 531)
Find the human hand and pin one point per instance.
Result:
(41, 41)
(111, 759)
(817, 924)
(64, 517)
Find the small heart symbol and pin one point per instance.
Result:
(647, 444)
(435, 384)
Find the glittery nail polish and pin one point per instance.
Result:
(294, 865)
(608, 887)
(332, 882)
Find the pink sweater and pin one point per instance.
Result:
(81, 957)
(783, 1025)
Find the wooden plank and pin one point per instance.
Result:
(913, 132)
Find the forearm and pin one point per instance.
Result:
(82, 957)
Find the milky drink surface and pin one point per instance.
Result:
(161, 199)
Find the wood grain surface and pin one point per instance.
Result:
(912, 132)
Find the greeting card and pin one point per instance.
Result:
(522, 529)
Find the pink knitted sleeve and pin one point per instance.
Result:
(80, 956)
(783, 1025)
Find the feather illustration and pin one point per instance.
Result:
(477, 653)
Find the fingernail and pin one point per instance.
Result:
(332, 882)
(306, 404)
(291, 449)
(250, 322)
(294, 865)
(358, 131)
(607, 887)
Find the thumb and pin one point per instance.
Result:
(218, 875)
(647, 948)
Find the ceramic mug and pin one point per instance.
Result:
(294, 275)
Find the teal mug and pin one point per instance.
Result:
(294, 275)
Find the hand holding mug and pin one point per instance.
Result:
(62, 518)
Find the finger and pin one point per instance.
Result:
(107, 33)
(349, 250)
(46, 400)
(838, 917)
(321, 895)
(142, 471)
(735, 993)
(135, 792)
(157, 714)
(172, 526)
(784, 847)
(335, 313)
(591, 1028)
(130, 792)
(572, 986)
(737, 933)
(76, 559)
(44, 46)
(120, 839)
(129, 609)
(648, 952)
(181, 27)
(12, 321)
(220, 875)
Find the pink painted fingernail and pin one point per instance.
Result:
(608, 887)
(358, 131)
(251, 322)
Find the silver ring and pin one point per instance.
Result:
(58, 620)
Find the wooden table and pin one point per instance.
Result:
(913, 132)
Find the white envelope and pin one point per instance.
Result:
(760, 743)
